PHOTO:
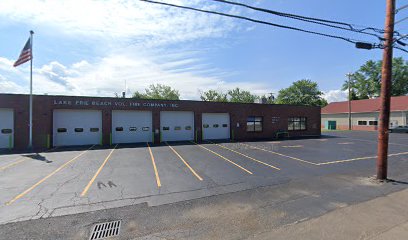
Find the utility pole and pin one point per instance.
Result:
(349, 100)
(385, 91)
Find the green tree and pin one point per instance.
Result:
(302, 92)
(269, 100)
(366, 82)
(213, 96)
(241, 96)
(159, 92)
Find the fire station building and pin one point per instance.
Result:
(71, 120)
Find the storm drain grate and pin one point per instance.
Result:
(106, 229)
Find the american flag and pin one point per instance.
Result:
(25, 54)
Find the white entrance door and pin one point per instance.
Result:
(77, 127)
(131, 126)
(6, 128)
(177, 126)
(216, 126)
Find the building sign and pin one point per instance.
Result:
(114, 103)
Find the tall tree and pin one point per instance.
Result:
(158, 91)
(213, 96)
(241, 96)
(302, 92)
(366, 82)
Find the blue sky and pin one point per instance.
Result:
(93, 47)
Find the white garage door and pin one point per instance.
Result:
(77, 127)
(131, 126)
(216, 126)
(177, 126)
(6, 128)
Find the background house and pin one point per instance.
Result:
(364, 114)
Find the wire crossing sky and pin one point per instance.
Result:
(78, 52)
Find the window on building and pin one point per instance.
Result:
(94, 129)
(373, 123)
(206, 125)
(254, 124)
(177, 128)
(216, 126)
(188, 128)
(78, 129)
(132, 129)
(166, 128)
(362, 123)
(275, 119)
(61, 130)
(6, 131)
(297, 123)
(119, 129)
(224, 125)
(145, 129)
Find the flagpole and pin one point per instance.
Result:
(30, 141)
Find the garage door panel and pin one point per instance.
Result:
(177, 126)
(216, 126)
(77, 127)
(6, 128)
(131, 126)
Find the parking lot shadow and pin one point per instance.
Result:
(39, 157)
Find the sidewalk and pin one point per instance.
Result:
(381, 218)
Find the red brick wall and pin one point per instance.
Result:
(44, 105)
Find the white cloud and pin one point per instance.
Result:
(335, 95)
(108, 75)
(138, 42)
(124, 20)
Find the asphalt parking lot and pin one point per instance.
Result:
(73, 180)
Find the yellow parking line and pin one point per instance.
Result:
(251, 158)
(185, 162)
(280, 154)
(154, 166)
(17, 158)
(360, 158)
(97, 172)
(226, 159)
(15, 162)
(48, 176)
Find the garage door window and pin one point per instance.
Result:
(166, 128)
(119, 129)
(362, 123)
(78, 129)
(224, 125)
(216, 126)
(373, 123)
(206, 126)
(297, 123)
(6, 131)
(132, 129)
(188, 128)
(177, 128)
(145, 129)
(94, 129)
(61, 130)
(254, 124)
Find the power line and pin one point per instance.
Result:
(402, 49)
(255, 20)
(401, 8)
(324, 22)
